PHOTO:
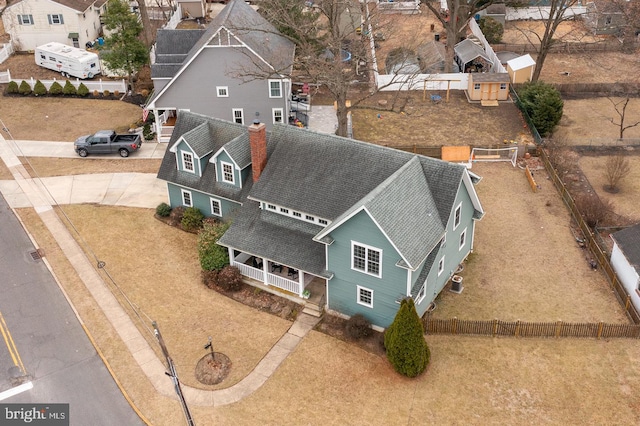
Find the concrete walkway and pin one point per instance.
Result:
(131, 189)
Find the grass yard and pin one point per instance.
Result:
(47, 167)
(524, 252)
(64, 119)
(626, 201)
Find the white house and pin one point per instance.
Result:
(625, 260)
(31, 23)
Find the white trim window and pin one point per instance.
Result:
(227, 172)
(463, 239)
(441, 266)
(238, 115)
(457, 216)
(476, 86)
(216, 207)
(187, 162)
(25, 19)
(278, 115)
(366, 259)
(186, 198)
(275, 88)
(421, 294)
(55, 19)
(365, 297)
(223, 91)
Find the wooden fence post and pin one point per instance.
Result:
(495, 328)
(454, 325)
(517, 331)
(558, 327)
(626, 303)
(600, 326)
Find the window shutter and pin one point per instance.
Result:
(20, 20)
(61, 19)
(50, 20)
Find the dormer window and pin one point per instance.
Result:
(187, 162)
(227, 173)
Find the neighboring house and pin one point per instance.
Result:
(605, 17)
(32, 23)
(520, 69)
(235, 70)
(625, 260)
(470, 56)
(363, 226)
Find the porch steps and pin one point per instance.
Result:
(313, 309)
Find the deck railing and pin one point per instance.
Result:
(283, 283)
(250, 271)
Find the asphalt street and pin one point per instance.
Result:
(43, 341)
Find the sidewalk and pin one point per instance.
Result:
(132, 189)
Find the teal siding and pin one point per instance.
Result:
(201, 201)
(343, 287)
(453, 256)
(245, 174)
(223, 156)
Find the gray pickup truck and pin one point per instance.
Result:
(107, 142)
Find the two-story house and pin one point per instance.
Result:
(32, 23)
(236, 69)
(363, 224)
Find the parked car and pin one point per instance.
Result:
(107, 142)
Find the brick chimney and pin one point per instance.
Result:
(258, 144)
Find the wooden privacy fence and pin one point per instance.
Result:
(599, 253)
(557, 329)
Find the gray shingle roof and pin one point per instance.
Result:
(198, 139)
(628, 240)
(424, 274)
(286, 240)
(172, 48)
(220, 132)
(240, 150)
(467, 51)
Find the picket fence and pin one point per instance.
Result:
(99, 85)
(5, 52)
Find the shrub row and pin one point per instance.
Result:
(56, 89)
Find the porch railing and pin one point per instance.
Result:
(283, 283)
(250, 271)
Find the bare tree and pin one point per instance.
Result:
(147, 28)
(616, 168)
(325, 35)
(629, 12)
(455, 19)
(620, 107)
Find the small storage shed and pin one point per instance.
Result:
(192, 9)
(625, 260)
(521, 69)
(488, 86)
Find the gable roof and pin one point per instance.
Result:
(205, 135)
(238, 21)
(628, 240)
(467, 50)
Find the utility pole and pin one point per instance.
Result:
(173, 374)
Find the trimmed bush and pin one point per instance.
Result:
(211, 255)
(230, 278)
(175, 217)
(144, 93)
(358, 327)
(96, 93)
(404, 341)
(12, 87)
(544, 105)
(55, 89)
(25, 88)
(147, 133)
(210, 279)
(39, 89)
(163, 210)
(83, 90)
(106, 93)
(192, 219)
(69, 89)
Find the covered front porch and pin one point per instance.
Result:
(274, 274)
(164, 124)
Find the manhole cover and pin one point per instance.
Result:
(213, 368)
(35, 255)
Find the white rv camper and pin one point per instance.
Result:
(68, 60)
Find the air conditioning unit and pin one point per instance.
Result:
(456, 284)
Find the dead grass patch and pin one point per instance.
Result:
(626, 201)
(64, 119)
(157, 267)
(421, 122)
(47, 167)
(5, 173)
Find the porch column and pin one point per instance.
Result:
(231, 257)
(300, 283)
(264, 271)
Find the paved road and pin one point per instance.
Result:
(57, 355)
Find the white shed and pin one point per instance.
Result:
(520, 69)
(625, 260)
